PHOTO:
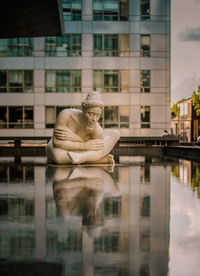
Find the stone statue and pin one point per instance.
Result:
(78, 138)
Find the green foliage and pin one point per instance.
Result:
(196, 180)
(174, 111)
(196, 101)
(175, 170)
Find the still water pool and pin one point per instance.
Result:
(138, 218)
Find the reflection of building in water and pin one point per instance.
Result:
(132, 239)
(188, 173)
(183, 171)
(22, 211)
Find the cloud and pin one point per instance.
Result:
(190, 34)
(185, 87)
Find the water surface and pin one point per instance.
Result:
(134, 219)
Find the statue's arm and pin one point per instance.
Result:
(63, 137)
(66, 139)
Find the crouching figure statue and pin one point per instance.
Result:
(78, 137)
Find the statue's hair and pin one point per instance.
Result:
(93, 99)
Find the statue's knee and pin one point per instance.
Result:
(116, 134)
(51, 154)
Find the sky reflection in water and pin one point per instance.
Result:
(138, 219)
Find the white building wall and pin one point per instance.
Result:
(159, 64)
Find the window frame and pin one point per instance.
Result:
(74, 15)
(102, 52)
(144, 88)
(7, 88)
(64, 88)
(143, 52)
(17, 49)
(143, 123)
(115, 88)
(66, 51)
(22, 123)
(145, 16)
(119, 123)
(104, 15)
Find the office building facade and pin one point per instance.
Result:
(120, 48)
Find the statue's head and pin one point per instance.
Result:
(93, 99)
(92, 107)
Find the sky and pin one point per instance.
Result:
(185, 48)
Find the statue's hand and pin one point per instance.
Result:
(94, 144)
(66, 134)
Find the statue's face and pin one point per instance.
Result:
(92, 115)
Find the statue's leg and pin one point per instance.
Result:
(56, 155)
(110, 139)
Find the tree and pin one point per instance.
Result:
(196, 101)
(174, 111)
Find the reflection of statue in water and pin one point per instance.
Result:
(80, 191)
(78, 138)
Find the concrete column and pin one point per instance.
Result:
(87, 10)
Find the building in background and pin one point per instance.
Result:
(186, 123)
(120, 48)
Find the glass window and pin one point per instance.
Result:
(145, 45)
(145, 79)
(16, 81)
(145, 116)
(3, 47)
(181, 109)
(50, 46)
(111, 80)
(145, 9)
(50, 80)
(76, 81)
(68, 45)
(20, 117)
(115, 117)
(111, 45)
(110, 10)
(72, 10)
(16, 47)
(186, 109)
(111, 116)
(98, 46)
(28, 81)
(28, 117)
(3, 117)
(15, 117)
(3, 81)
(63, 80)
